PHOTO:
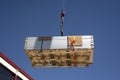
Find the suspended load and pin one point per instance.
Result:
(60, 51)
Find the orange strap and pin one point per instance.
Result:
(72, 42)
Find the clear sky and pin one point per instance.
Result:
(101, 18)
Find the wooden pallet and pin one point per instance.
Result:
(61, 57)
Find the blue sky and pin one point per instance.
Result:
(101, 18)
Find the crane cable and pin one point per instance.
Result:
(63, 4)
(62, 19)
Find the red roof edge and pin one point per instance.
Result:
(15, 66)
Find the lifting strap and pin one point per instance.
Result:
(41, 47)
(72, 42)
(74, 56)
